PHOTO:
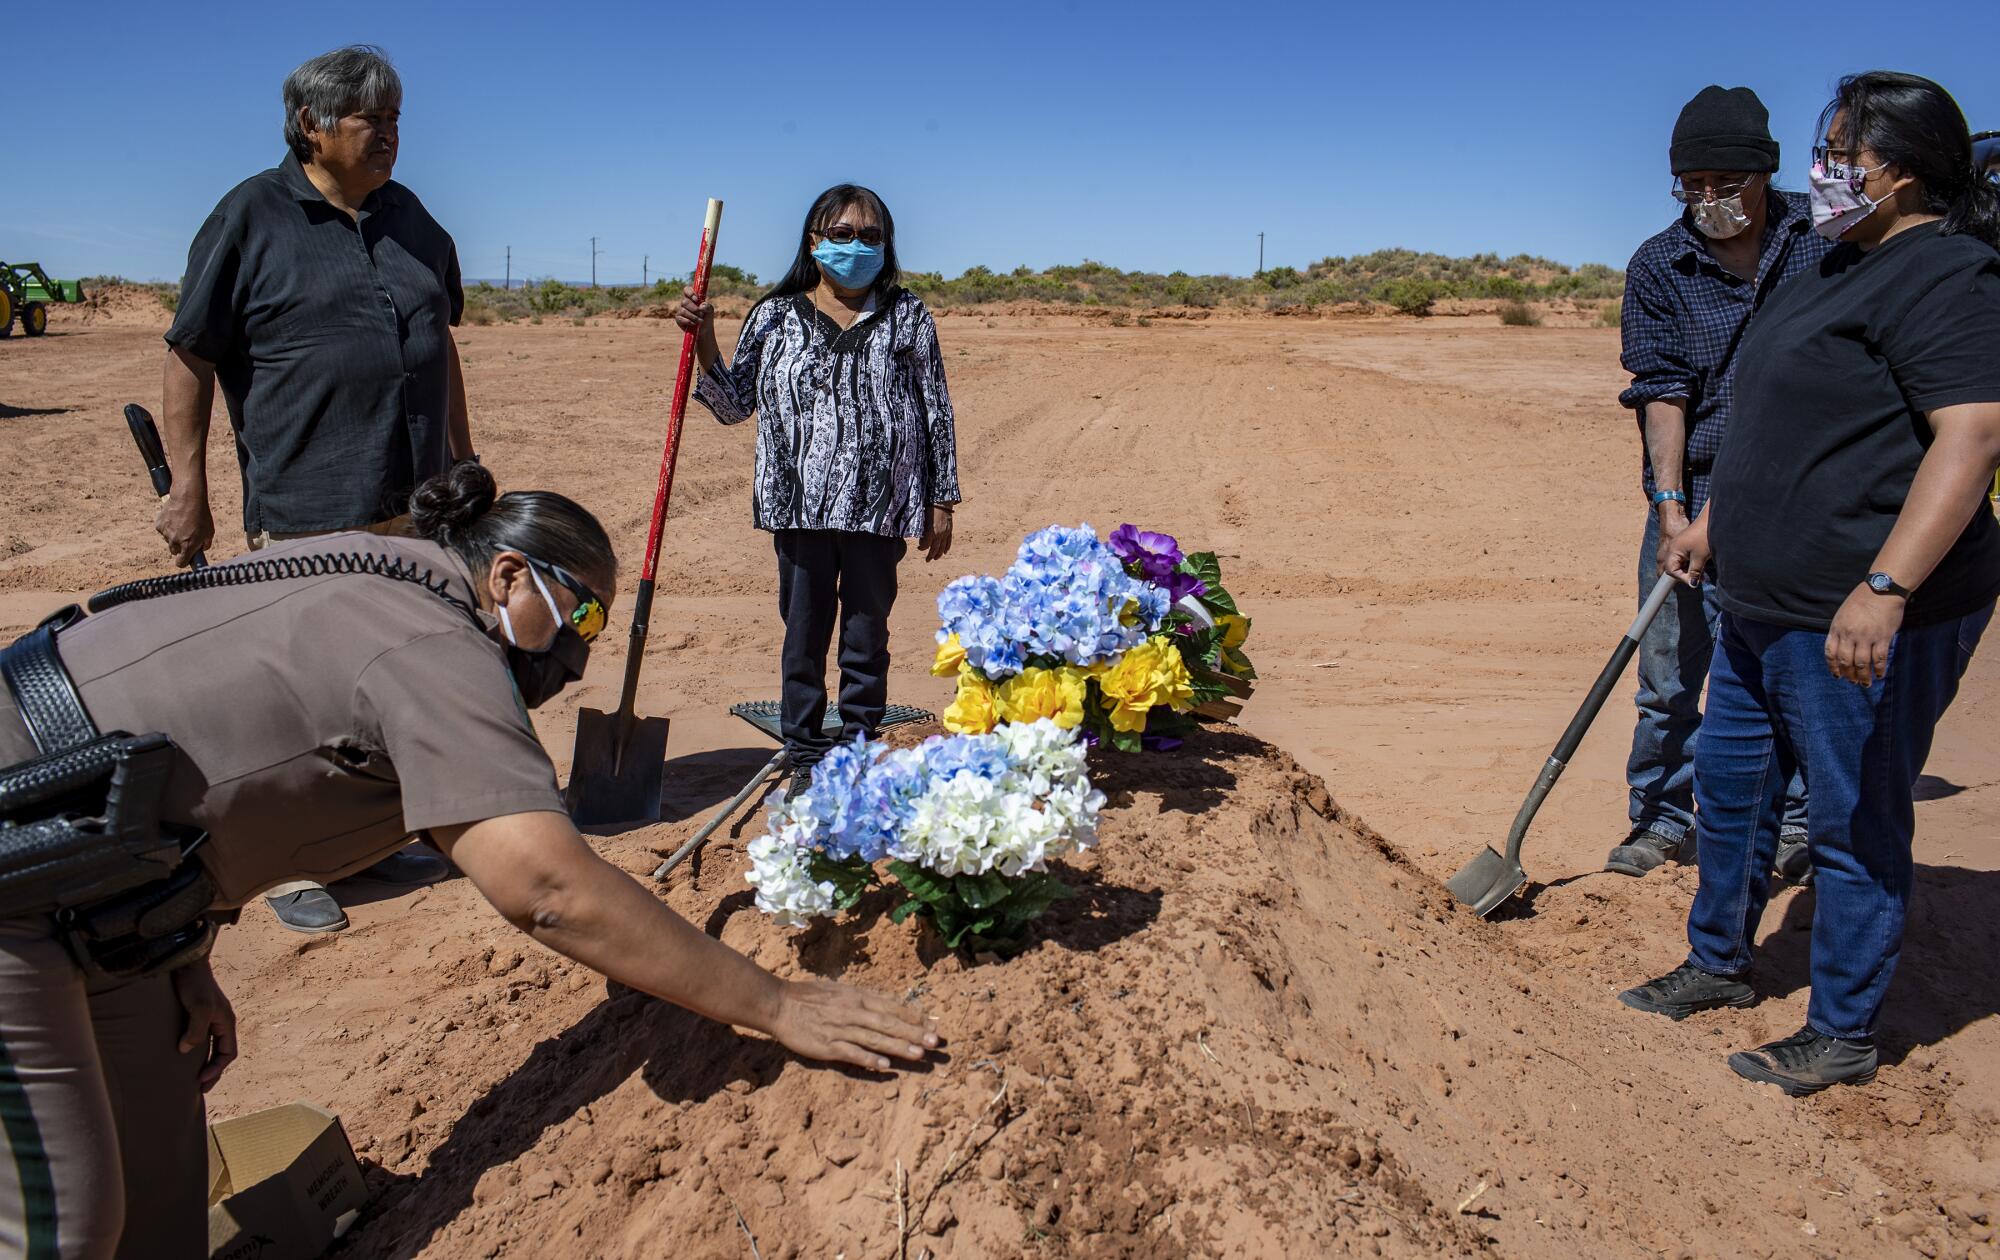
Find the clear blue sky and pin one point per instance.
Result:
(1155, 136)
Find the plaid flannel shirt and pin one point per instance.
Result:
(1683, 320)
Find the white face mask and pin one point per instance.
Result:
(1837, 200)
(1720, 220)
(555, 615)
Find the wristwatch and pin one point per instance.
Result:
(1883, 584)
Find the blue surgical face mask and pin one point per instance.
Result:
(853, 265)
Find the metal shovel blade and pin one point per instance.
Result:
(1487, 882)
(610, 784)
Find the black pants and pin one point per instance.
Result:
(824, 575)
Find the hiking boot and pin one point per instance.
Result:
(1794, 861)
(310, 910)
(1688, 989)
(1644, 851)
(406, 868)
(802, 781)
(1807, 1062)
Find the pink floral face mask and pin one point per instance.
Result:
(1837, 200)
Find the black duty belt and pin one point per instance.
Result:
(80, 831)
(43, 690)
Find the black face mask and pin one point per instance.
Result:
(541, 675)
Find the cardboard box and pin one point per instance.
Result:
(282, 1184)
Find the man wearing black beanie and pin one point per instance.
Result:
(1690, 293)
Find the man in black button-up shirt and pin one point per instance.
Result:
(321, 296)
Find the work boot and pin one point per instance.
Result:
(1645, 850)
(406, 867)
(309, 910)
(1794, 861)
(1688, 989)
(1807, 1062)
(802, 781)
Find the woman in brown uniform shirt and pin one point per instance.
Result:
(342, 712)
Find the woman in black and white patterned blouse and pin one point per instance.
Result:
(855, 451)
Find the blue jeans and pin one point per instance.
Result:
(1774, 708)
(1673, 663)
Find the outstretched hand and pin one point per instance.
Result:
(822, 1019)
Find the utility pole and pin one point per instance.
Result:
(508, 283)
(1260, 253)
(645, 260)
(594, 252)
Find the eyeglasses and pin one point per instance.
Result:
(842, 234)
(1843, 164)
(1721, 192)
(588, 617)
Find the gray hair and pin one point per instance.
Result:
(333, 85)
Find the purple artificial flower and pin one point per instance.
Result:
(1154, 554)
(1180, 585)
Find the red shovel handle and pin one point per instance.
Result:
(683, 384)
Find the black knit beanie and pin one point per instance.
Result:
(1723, 129)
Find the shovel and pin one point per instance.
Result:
(146, 435)
(620, 757)
(1489, 879)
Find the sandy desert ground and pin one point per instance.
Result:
(1263, 1029)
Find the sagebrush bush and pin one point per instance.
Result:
(1410, 295)
(1519, 315)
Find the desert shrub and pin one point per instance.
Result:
(1611, 314)
(1519, 315)
(1409, 296)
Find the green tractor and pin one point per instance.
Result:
(26, 291)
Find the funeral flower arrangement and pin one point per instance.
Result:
(964, 825)
(1125, 637)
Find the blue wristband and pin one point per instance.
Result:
(1670, 496)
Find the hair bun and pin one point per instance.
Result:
(446, 505)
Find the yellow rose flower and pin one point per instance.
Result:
(972, 713)
(950, 656)
(1148, 675)
(1036, 693)
(1235, 629)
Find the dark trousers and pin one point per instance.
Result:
(824, 576)
(1774, 708)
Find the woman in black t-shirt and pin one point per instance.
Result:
(1856, 563)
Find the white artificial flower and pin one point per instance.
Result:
(785, 887)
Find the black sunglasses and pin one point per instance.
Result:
(842, 234)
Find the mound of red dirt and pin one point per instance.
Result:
(1255, 1031)
(117, 306)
